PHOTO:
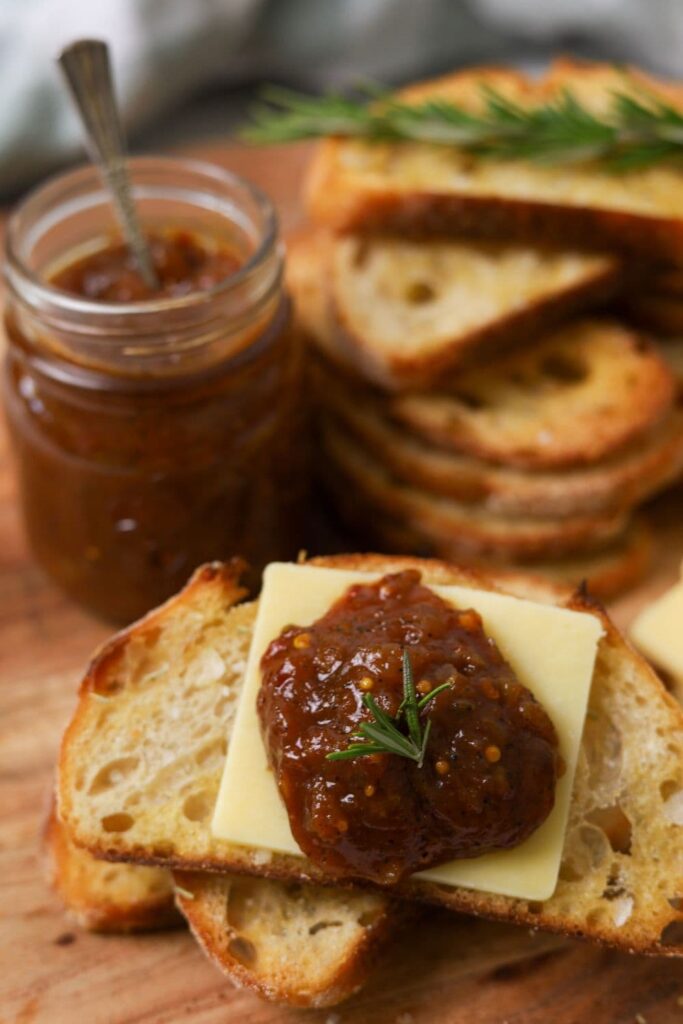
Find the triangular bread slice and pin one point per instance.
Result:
(181, 669)
(153, 703)
(623, 481)
(468, 528)
(357, 185)
(405, 312)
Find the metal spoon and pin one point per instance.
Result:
(87, 70)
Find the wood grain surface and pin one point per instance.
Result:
(443, 970)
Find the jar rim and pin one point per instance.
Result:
(29, 281)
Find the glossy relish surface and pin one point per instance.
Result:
(184, 263)
(488, 777)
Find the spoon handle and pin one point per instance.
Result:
(87, 70)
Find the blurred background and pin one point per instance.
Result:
(187, 69)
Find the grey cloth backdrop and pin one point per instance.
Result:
(166, 51)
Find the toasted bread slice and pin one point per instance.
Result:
(304, 945)
(468, 529)
(163, 680)
(106, 897)
(404, 312)
(180, 670)
(647, 466)
(357, 185)
(580, 395)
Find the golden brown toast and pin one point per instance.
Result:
(580, 395)
(150, 699)
(402, 312)
(304, 945)
(407, 187)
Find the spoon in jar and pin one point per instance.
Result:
(87, 70)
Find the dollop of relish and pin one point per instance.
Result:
(491, 762)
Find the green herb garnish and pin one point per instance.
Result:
(636, 131)
(383, 735)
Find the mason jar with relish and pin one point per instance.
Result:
(154, 430)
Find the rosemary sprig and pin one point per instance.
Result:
(637, 131)
(383, 735)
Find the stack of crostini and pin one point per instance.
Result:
(483, 388)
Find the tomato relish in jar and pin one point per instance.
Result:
(154, 430)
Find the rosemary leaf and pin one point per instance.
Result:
(635, 132)
(380, 716)
(425, 740)
(393, 740)
(382, 735)
(410, 701)
(356, 750)
(431, 695)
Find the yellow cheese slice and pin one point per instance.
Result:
(552, 650)
(658, 632)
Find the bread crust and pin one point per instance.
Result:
(431, 214)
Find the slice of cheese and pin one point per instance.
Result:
(658, 632)
(552, 650)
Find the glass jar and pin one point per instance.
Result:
(155, 435)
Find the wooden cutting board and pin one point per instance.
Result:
(443, 970)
